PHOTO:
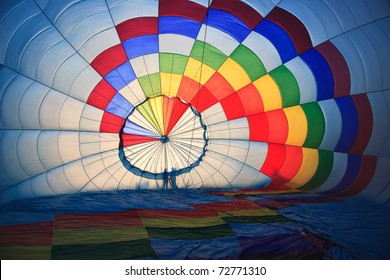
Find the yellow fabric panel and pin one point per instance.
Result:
(195, 67)
(234, 74)
(308, 168)
(186, 223)
(98, 235)
(25, 252)
(297, 125)
(157, 108)
(170, 83)
(269, 92)
(247, 213)
(147, 112)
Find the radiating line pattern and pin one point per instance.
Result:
(293, 95)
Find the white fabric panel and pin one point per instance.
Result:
(257, 154)
(238, 150)
(379, 182)
(8, 151)
(10, 102)
(145, 65)
(30, 105)
(91, 118)
(70, 114)
(84, 83)
(49, 114)
(380, 43)
(249, 177)
(128, 9)
(36, 48)
(101, 41)
(69, 146)
(380, 128)
(310, 19)
(28, 154)
(133, 93)
(108, 141)
(263, 49)
(67, 73)
(359, 10)
(58, 181)
(48, 149)
(75, 174)
(343, 13)
(219, 39)
(14, 17)
(340, 162)
(214, 114)
(263, 7)
(140, 120)
(239, 129)
(333, 124)
(22, 190)
(369, 57)
(219, 131)
(305, 79)
(50, 61)
(174, 43)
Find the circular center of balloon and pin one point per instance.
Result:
(163, 136)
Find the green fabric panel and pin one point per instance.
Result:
(249, 62)
(256, 219)
(104, 251)
(151, 84)
(315, 124)
(197, 233)
(325, 164)
(146, 110)
(208, 54)
(172, 63)
(287, 84)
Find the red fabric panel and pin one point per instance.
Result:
(137, 27)
(293, 26)
(101, 220)
(182, 8)
(218, 86)
(109, 59)
(173, 111)
(111, 123)
(291, 166)
(251, 100)
(188, 89)
(367, 171)
(37, 234)
(363, 107)
(274, 160)
(339, 67)
(130, 139)
(101, 95)
(233, 107)
(240, 10)
(203, 100)
(258, 128)
(278, 126)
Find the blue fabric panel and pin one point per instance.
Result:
(279, 38)
(179, 25)
(219, 248)
(119, 106)
(120, 76)
(322, 73)
(228, 24)
(141, 45)
(132, 128)
(350, 124)
(351, 174)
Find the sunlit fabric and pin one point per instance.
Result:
(239, 96)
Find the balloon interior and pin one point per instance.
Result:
(194, 129)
